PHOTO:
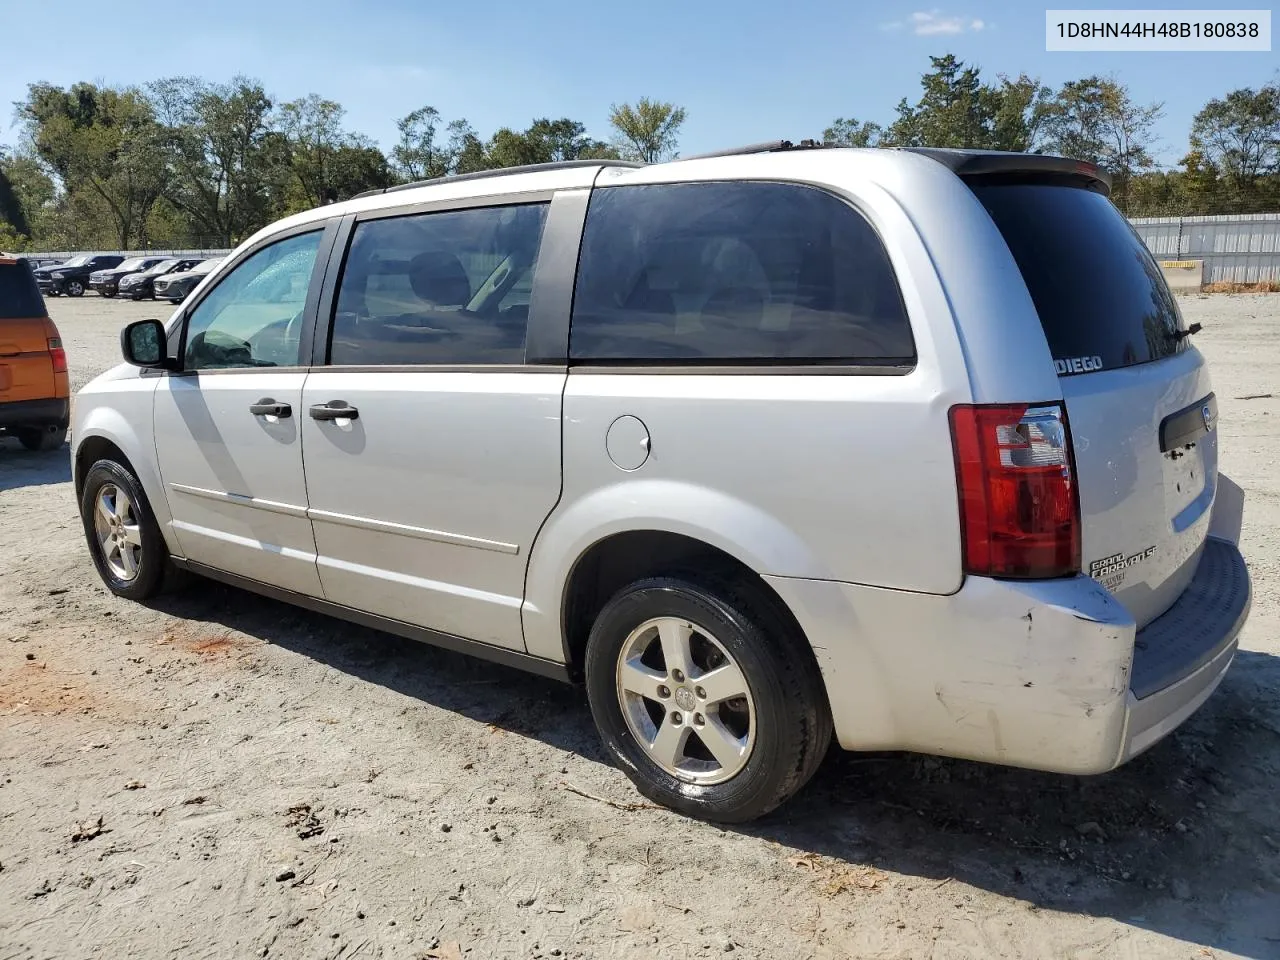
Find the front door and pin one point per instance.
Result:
(432, 448)
(227, 426)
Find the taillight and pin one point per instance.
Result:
(57, 355)
(1019, 510)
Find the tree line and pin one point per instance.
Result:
(184, 161)
(1232, 164)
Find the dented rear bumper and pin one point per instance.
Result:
(1031, 674)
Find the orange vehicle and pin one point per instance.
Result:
(34, 404)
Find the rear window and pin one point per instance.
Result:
(734, 272)
(19, 295)
(1102, 300)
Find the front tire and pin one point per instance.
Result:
(123, 536)
(74, 288)
(706, 698)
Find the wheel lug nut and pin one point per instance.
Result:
(677, 719)
(698, 719)
(702, 694)
(664, 691)
(677, 676)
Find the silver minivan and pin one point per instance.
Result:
(908, 449)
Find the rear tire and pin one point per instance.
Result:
(124, 539)
(41, 438)
(735, 758)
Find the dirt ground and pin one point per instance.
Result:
(224, 776)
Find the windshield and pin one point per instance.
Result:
(75, 262)
(1100, 295)
(162, 267)
(206, 267)
(137, 263)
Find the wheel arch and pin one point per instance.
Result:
(617, 559)
(104, 432)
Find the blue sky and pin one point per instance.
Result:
(746, 71)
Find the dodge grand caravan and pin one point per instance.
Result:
(911, 447)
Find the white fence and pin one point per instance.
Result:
(1240, 248)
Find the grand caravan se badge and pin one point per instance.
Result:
(1117, 565)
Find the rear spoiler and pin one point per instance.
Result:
(1016, 166)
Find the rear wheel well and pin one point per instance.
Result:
(624, 558)
(90, 452)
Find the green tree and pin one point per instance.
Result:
(326, 161)
(852, 133)
(545, 141)
(14, 227)
(101, 139)
(230, 167)
(957, 109)
(417, 156)
(1095, 119)
(1238, 137)
(465, 149)
(647, 132)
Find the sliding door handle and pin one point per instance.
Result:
(334, 410)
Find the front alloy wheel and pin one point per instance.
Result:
(123, 536)
(75, 288)
(118, 532)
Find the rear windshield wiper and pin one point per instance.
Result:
(1191, 331)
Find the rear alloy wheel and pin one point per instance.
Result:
(706, 698)
(42, 438)
(124, 539)
(75, 288)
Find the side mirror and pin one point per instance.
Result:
(143, 345)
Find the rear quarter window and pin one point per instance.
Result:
(19, 295)
(1100, 295)
(734, 272)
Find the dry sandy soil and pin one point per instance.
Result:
(225, 776)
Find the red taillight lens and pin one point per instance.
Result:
(1019, 512)
(57, 355)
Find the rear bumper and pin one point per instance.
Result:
(1040, 675)
(35, 413)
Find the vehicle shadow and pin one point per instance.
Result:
(1183, 841)
(20, 467)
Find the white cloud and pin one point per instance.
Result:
(933, 22)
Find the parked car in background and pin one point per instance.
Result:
(38, 263)
(34, 404)
(137, 286)
(174, 287)
(72, 277)
(107, 282)
(680, 373)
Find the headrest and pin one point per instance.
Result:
(437, 277)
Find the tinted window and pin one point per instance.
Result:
(1100, 295)
(734, 271)
(438, 288)
(19, 295)
(253, 317)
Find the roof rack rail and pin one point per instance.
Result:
(768, 146)
(498, 172)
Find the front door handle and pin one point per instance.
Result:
(266, 407)
(334, 410)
